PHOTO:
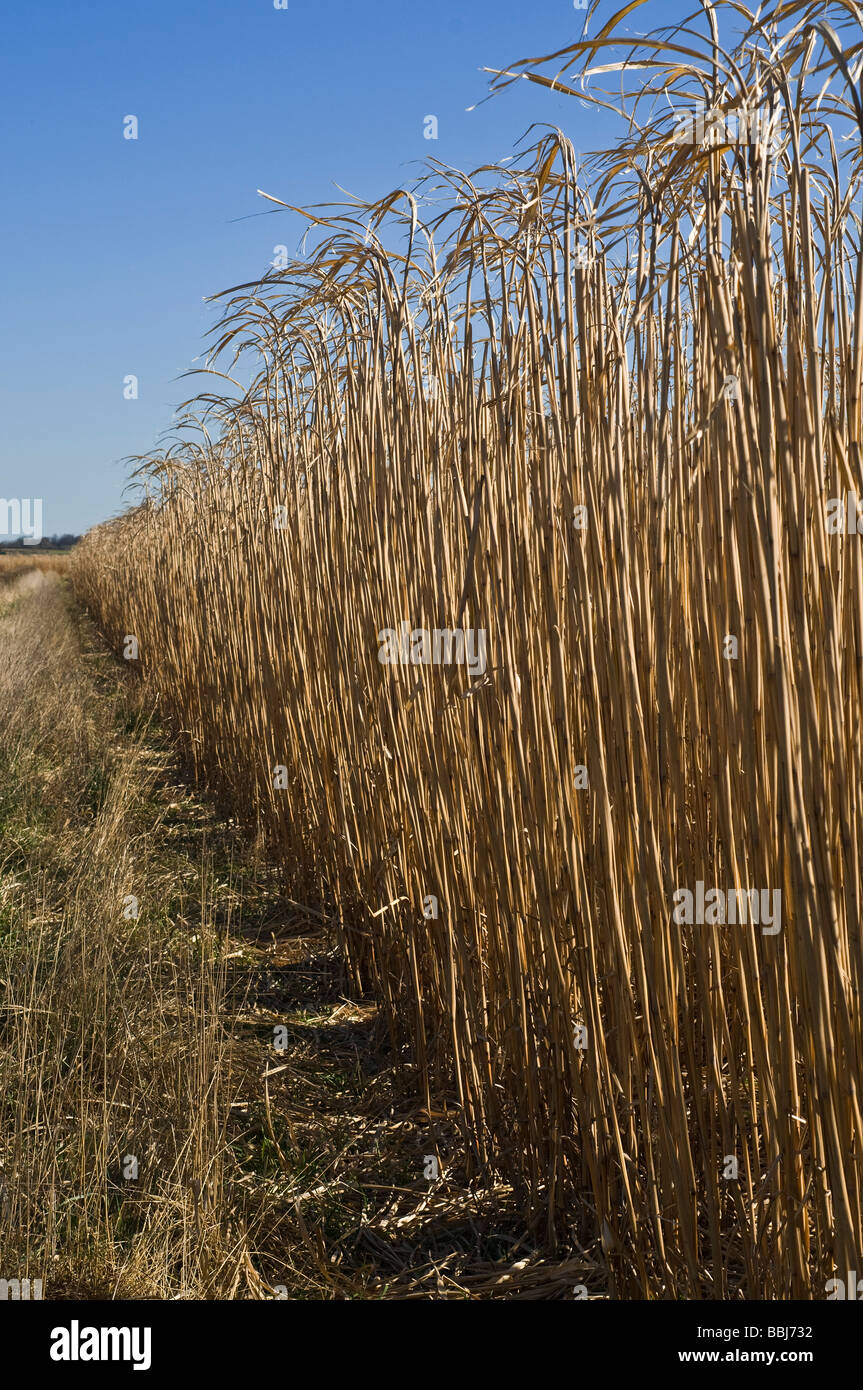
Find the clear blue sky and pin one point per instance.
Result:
(110, 245)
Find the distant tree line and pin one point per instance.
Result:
(64, 542)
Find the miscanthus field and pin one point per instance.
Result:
(439, 859)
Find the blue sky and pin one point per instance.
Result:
(110, 245)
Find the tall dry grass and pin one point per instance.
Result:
(430, 404)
